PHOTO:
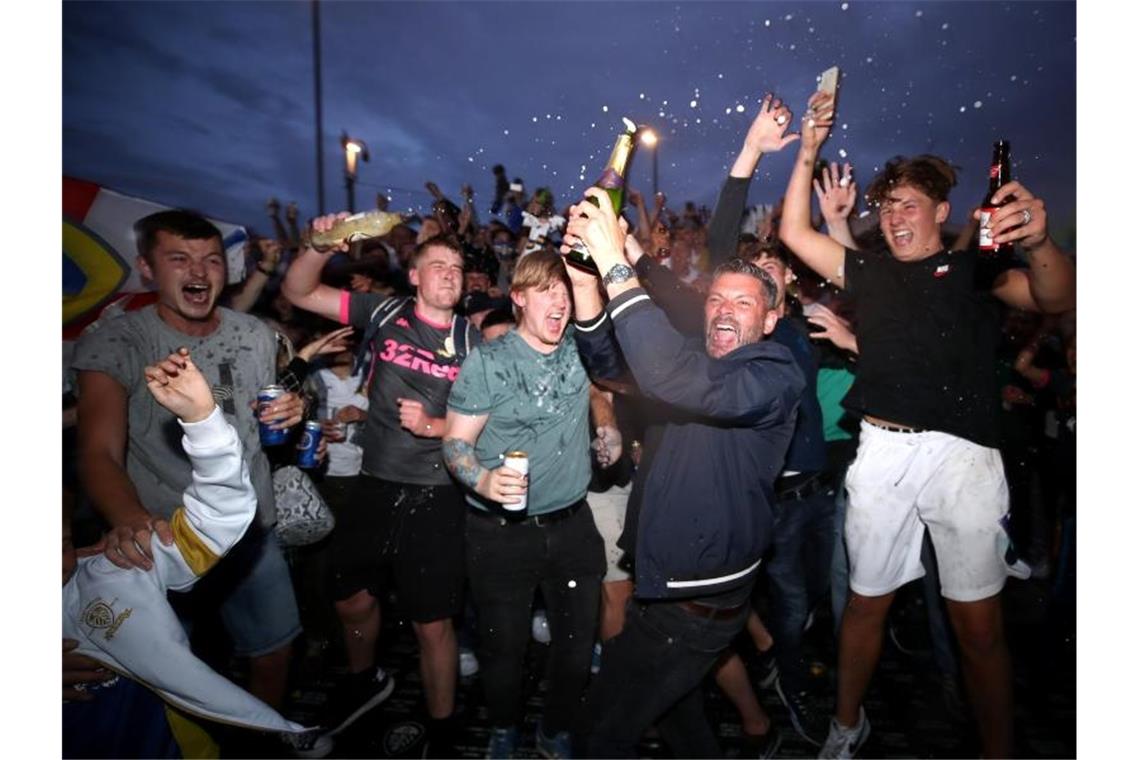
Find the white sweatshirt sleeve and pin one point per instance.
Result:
(218, 505)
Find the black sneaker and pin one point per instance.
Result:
(356, 696)
(763, 746)
(805, 720)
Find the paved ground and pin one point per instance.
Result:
(908, 713)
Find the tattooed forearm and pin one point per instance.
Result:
(459, 456)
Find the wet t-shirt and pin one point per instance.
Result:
(237, 359)
(928, 333)
(537, 403)
(412, 358)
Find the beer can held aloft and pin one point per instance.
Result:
(269, 436)
(307, 448)
(517, 461)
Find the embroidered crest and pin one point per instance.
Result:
(448, 349)
(401, 322)
(942, 270)
(100, 615)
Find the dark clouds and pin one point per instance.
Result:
(161, 97)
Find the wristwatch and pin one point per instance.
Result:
(618, 273)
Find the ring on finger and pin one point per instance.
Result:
(1026, 217)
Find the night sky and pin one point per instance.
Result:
(210, 105)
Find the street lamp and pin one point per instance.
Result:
(649, 139)
(354, 150)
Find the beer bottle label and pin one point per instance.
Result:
(995, 170)
(985, 234)
(610, 180)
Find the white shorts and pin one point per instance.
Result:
(902, 484)
(608, 509)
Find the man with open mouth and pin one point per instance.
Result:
(528, 392)
(927, 331)
(131, 463)
(701, 505)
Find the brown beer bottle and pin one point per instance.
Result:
(613, 182)
(999, 175)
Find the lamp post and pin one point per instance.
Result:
(354, 150)
(649, 139)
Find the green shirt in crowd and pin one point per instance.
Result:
(537, 403)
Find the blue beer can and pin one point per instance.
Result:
(307, 448)
(269, 436)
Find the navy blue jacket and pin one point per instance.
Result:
(685, 309)
(703, 514)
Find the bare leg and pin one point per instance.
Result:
(759, 632)
(360, 617)
(269, 675)
(614, 596)
(860, 644)
(986, 669)
(732, 678)
(439, 662)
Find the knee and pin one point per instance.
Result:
(357, 608)
(277, 660)
(979, 638)
(435, 634)
(866, 610)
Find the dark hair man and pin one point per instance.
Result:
(406, 513)
(702, 512)
(130, 461)
(927, 333)
(527, 391)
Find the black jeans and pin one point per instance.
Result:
(506, 562)
(653, 669)
(802, 547)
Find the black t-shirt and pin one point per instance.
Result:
(411, 359)
(928, 335)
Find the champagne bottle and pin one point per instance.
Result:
(362, 226)
(999, 175)
(613, 182)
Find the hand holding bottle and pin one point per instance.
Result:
(598, 228)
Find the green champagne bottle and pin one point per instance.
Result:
(613, 182)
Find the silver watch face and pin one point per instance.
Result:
(619, 273)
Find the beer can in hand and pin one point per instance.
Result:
(517, 461)
(307, 448)
(269, 436)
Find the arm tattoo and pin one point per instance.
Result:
(459, 456)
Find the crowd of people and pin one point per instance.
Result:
(828, 405)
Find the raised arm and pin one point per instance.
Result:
(302, 285)
(818, 251)
(837, 196)
(1050, 284)
(765, 135)
(269, 253)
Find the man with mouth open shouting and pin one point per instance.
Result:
(527, 391)
(701, 506)
(927, 329)
(132, 464)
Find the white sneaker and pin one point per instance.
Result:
(539, 628)
(845, 742)
(468, 663)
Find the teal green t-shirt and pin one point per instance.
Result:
(830, 387)
(537, 403)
